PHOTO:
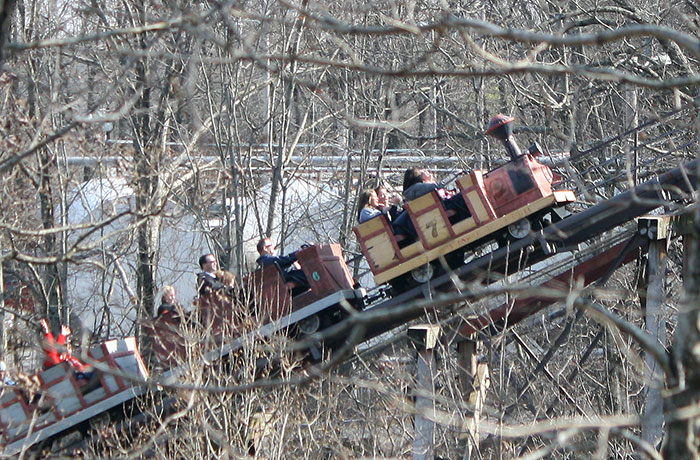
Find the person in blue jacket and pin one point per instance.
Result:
(416, 183)
(268, 256)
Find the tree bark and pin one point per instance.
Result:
(146, 185)
(51, 273)
(683, 435)
(7, 8)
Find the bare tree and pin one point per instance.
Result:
(224, 108)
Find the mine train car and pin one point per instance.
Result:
(506, 203)
(59, 401)
(265, 304)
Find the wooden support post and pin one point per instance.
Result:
(425, 339)
(656, 229)
(474, 381)
(466, 357)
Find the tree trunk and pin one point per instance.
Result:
(7, 8)
(683, 436)
(146, 186)
(51, 274)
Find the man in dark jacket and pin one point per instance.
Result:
(206, 279)
(268, 256)
(416, 183)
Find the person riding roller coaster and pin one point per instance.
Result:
(368, 207)
(288, 264)
(206, 279)
(416, 183)
(169, 305)
(388, 202)
(83, 371)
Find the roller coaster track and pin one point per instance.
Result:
(596, 260)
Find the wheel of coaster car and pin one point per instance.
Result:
(423, 274)
(403, 283)
(520, 229)
(309, 325)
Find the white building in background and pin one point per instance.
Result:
(100, 288)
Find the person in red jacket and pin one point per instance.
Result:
(53, 356)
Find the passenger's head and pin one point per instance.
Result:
(382, 195)
(266, 246)
(426, 176)
(208, 263)
(368, 197)
(412, 176)
(168, 294)
(227, 278)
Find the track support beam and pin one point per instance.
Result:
(425, 339)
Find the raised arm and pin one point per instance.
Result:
(65, 333)
(286, 261)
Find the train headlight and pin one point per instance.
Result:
(519, 229)
(422, 274)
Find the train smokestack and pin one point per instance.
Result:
(500, 127)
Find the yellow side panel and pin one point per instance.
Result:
(422, 202)
(465, 181)
(464, 225)
(478, 205)
(369, 227)
(433, 227)
(381, 250)
(411, 250)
